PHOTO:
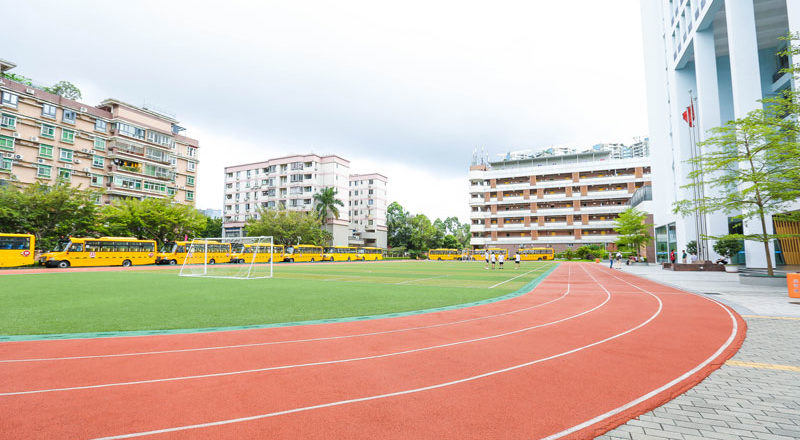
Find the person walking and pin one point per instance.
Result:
(501, 258)
(494, 258)
(486, 255)
(672, 256)
(516, 260)
(683, 257)
(610, 261)
(619, 260)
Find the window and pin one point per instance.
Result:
(68, 116)
(130, 130)
(64, 155)
(155, 187)
(189, 195)
(49, 111)
(44, 171)
(98, 161)
(8, 121)
(99, 144)
(97, 180)
(10, 99)
(191, 151)
(127, 182)
(100, 125)
(45, 151)
(158, 138)
(6, 143)
(65, 174)
(191, 166)
(190, 180)
(6, 164)
(48, 131)
(171, 191)
(67, 136)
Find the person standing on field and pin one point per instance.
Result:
(516, 260)
(493, 260)
(501, 258)
(486, 255)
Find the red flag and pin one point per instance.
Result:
(688, 115)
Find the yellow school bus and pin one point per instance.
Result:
(340, 253)
(478, 254)
(443, 254)
(258, 253)
(536, 254)
(303, 252)
(16, 249)
(217, 253)
(498, 251)
(103, 251)
(370, 254)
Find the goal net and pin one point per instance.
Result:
(242, 258)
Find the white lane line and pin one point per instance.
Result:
(498, 284)
(398, 393)
(311, 364)
(422, 279)
(259, 344)
(666, 386)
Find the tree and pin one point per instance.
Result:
(423, 234)
(632, 229)
(752, 166)
(691, 247)
(65, 89)
(450, 242)
(727, 247)
(325, 203)
(160, 219)
(398, 225)
(213, 227)
(286, 226)
(48, 212)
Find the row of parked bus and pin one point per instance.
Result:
(19, 250)
(526, 254)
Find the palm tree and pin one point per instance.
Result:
(325, 202)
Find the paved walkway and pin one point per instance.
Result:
(756, 394)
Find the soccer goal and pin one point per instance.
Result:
(241, 258)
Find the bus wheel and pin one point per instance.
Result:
(172, 262)
(332, 259)
(440, 258)
(312, 260)
(348, 258)
(291, 260)
(63, 264)
(127, 263)
(211, 261)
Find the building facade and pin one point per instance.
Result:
(719, 57)
(367, 208)
(560, 199)
(119, 149)
(290, 182)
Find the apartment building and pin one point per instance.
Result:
(120, 149)
(290, 182)
(367, 208)
(720, 58)
(564, 199)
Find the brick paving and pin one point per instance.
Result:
(736, 402)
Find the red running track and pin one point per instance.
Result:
(586, 350)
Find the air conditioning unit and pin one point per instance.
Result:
(35, 138)
(76, 161)
(18, 157)
(29, 91)
(67, 166)
(85, 150)
(16, 134)
(42, 161)
(86, 170)
(9, 155)
(84, 109)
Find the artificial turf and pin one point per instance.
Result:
(80, 302)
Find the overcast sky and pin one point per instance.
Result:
(406, 89)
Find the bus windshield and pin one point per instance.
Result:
(178, 248)
(290, 250)
(62, 246)
(330, 250)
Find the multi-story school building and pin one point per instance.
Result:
(557, 198)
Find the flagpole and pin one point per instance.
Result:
(696, 187)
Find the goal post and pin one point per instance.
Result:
(242, 258)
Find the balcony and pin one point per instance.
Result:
(554, 211)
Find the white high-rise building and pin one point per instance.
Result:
(724, 56)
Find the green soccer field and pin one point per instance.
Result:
(158, 299)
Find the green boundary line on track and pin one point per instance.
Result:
(91, 335)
